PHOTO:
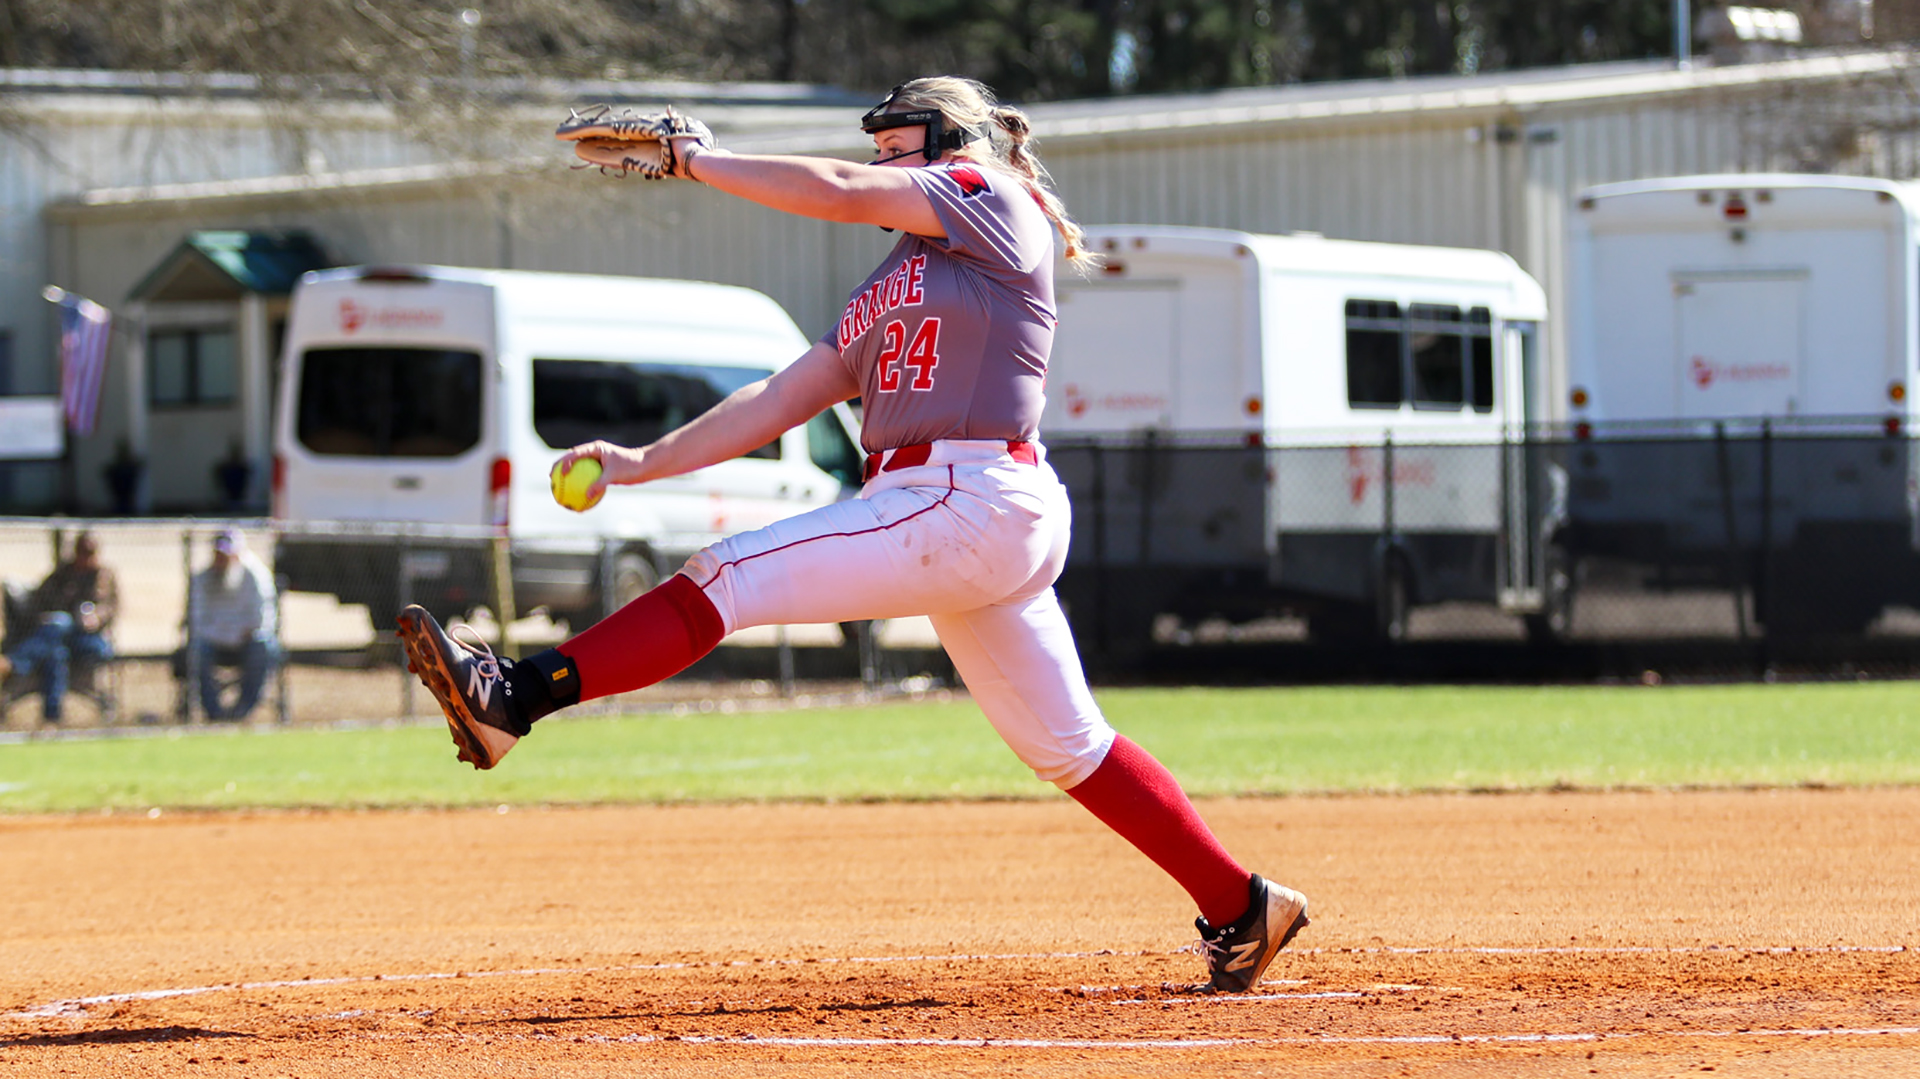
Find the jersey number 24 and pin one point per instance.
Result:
(923, 355)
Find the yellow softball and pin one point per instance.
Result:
(570, 486)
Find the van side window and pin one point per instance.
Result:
(832, 451)
(389, 402)
(1434, 356)
(629, 404)
(1374, 332)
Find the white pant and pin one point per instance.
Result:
(974, 540)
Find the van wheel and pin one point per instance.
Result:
(633, 577)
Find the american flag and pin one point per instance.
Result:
(85, 328)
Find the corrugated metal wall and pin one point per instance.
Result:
(1431, 183)
(60, 148)
(23, 191)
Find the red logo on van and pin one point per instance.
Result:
(1364, 468)
(353, 316)
(1076, 404)
(1705, 372)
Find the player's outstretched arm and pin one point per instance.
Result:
(825, 188)
(749, 418)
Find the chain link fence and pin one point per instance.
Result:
(1778, 542)
(1748, 550)
(338, 589)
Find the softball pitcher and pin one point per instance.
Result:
(961, 519)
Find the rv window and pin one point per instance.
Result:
(1480, 352)
(1435, 356)
(832, 450)
(629, 404)
(1439, 361)
(389, 402)
(1373, 354)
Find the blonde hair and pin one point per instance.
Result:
(967, 103)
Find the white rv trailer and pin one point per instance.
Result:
(1741, 349)
(440, 397)
(1225, 406)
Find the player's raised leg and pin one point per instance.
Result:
(1020, 665)
(889, 554)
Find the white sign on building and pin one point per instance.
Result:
(30, 429)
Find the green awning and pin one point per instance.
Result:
(224, 264)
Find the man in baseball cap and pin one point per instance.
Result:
(231, 622)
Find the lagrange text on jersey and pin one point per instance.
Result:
(901, 288)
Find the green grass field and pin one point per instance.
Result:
(1218, 741)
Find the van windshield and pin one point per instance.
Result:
(389, 402)
(629, 404)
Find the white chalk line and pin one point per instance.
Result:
(79, 1005)
(1119, 992)
(1220, 1043)
(1622, 949)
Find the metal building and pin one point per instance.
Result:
(1487, 161)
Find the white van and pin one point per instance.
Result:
(440, 397)
(1224, 407)
(1750, 341)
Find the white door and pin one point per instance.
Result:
(1740, 345)
(390, 409)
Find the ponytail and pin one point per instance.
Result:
(1024, 163)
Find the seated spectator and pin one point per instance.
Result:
(73, 608)
(231, 623)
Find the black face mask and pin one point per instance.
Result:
(939, 138)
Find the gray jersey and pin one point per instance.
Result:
(949, 337)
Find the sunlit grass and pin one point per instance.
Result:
(1218, 741)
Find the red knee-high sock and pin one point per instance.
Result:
(1135, 795)
(654, 637)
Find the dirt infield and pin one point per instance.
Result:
(1655, 934)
